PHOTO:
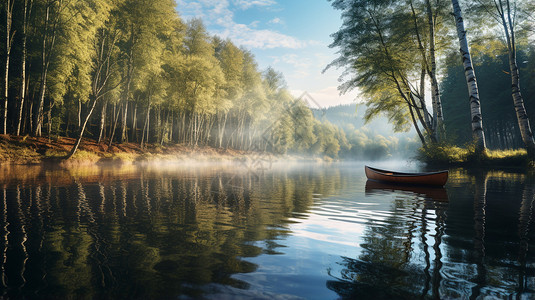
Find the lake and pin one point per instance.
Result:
(305, 231)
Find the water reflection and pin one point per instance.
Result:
(208, 232)
(401, 255)
(426, 247)
(156, 232)
(431, 193)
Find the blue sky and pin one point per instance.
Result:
(292, 36)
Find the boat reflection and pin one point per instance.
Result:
(431, 193)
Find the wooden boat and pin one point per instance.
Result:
(432, 178)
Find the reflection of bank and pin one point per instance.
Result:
(483, 223)
(438, 196)
(431, 193)
(401, 254)
(524, 224)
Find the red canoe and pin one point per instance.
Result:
(432, 178)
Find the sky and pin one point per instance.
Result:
(292, 36)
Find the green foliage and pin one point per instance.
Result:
(448, 155)
(134, 67)
(383, 49)
(364, 140)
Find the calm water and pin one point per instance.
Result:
(310, 231)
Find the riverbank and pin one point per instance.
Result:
(17, 150)
(452, 156)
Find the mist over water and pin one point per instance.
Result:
(289, 231)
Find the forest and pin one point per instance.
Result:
(414, 61)
(501, 126)
(368, 140)
(134, 71)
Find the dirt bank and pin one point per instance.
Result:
(19, 150)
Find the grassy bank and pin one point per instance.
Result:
(453, 156)
(35, 150)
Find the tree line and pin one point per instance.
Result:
(393, 51)
(501, 124)
(133, 71)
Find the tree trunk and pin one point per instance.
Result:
(82, 129)
(475, 108)
(29, 116)
(115, 125)
(221, 128)
(102, 120)
(9, 42)
(27, 12)
(415, 123)
(145, 126)
(124, 126)
(47, 48)
(134, 127)
(182, 134)
(158, 123)
(172, 127)
(49, 118)
(79, 116)
(126, 95)
(438, 118)
(422, 93)
(518, 100)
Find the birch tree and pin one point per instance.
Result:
(103, 69)
(475, 105)
(9, 42)
(507, 13)
(383, 50)
(52, 14)
(27, 11)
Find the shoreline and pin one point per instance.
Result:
(26, 150)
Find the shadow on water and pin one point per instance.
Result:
(128, 232)
(475, 245)
(430, 193)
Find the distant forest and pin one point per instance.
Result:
(371, 140)
(122, 71)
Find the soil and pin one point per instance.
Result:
(32, 150)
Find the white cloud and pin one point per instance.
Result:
(210, 11)
(218, 15)
(243, 35)
(276, 21)
(246, 4)
(292, 59)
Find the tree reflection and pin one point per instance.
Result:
(524, 226)
(390, 265)
(161, 233)
(463, 249)
(480, 203)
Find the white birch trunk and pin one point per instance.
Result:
(518, 100)
(475, 108)
(9, 42)
(27, 12)
(438, 118)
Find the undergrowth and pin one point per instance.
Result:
(444, 154)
